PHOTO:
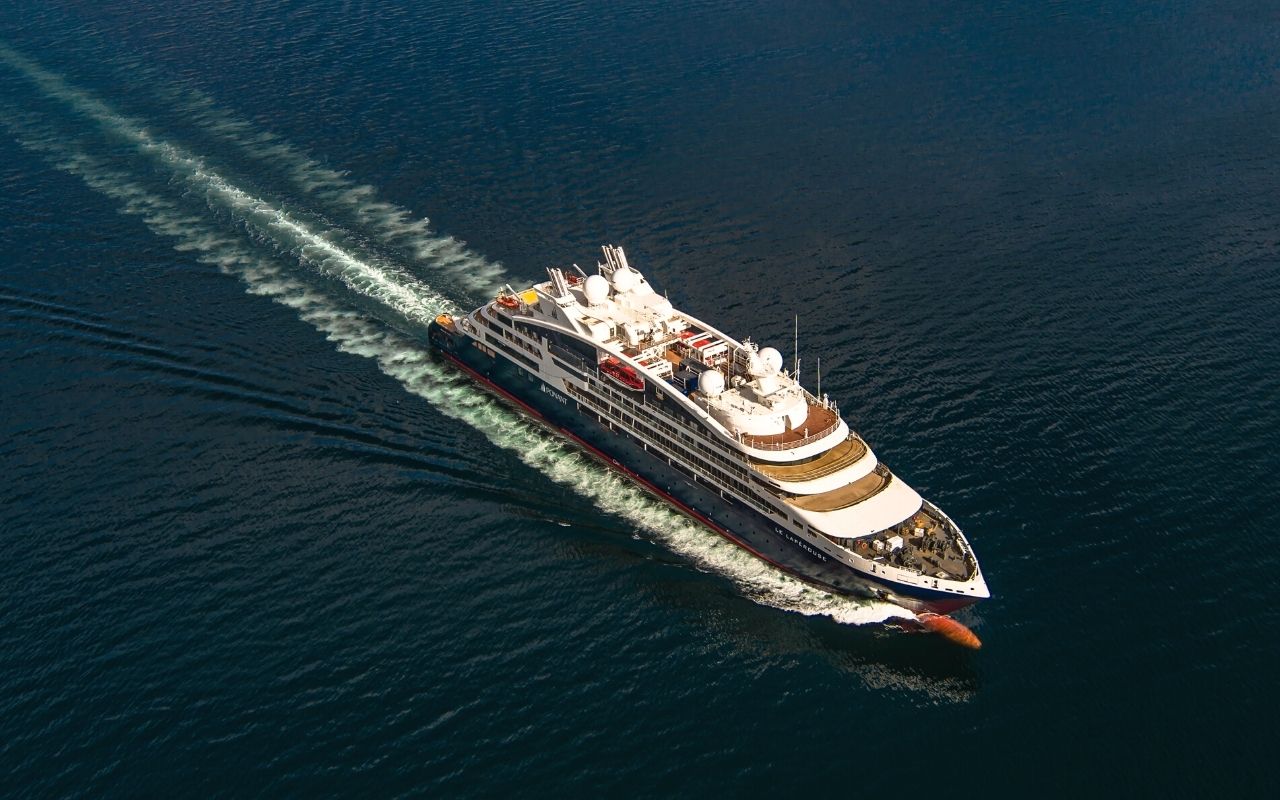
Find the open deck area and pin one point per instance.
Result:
(820, 422)
(848, 495)
(832, 461)
(929, 546)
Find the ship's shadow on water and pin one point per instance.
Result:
(877, 655)
(776, 620)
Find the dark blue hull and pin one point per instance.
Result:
(741, 524)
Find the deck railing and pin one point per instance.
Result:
(701, 430)
(790, 444)
(569, 357)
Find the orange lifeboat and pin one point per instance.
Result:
(508, 301)
(621, 374)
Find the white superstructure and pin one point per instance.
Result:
(727, 413)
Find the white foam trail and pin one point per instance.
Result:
(384, 282)
(387, 222)
(396, 355)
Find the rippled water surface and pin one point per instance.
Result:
(256, 541)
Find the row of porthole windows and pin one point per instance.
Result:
(498, 343)
(672, 448)
(710, 452)
(688, 425)
(511, 337)
(531, 346)
(669, 440)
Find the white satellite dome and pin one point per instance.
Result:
(772, 359)
(625, 279)
(596, 288)
(711, 383)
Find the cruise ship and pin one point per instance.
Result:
(716, 427)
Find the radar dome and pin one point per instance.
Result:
(711, 383)
(772, 359)
(625, 279)
(596, 288)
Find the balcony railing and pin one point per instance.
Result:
(790, 444)
(819, 414)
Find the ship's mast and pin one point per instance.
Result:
(796, 350)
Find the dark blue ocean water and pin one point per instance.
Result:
(255, 541)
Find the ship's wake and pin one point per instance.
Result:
(385, 305)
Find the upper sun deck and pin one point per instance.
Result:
(740, 386)
(820, 422)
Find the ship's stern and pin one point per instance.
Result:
(444, 335)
